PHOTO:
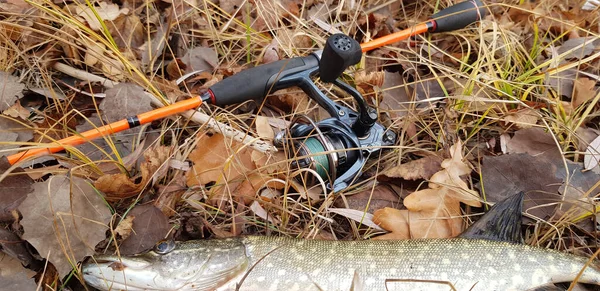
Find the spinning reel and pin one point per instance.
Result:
(335, 148)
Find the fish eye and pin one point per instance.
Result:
(164, 247)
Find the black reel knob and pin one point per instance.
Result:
(340, 52)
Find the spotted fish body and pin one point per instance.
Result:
(280, 263)
(487, 256)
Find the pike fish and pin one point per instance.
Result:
(488, 256)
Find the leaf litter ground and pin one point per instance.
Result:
(506, 105)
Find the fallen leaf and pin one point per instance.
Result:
(121, 186)
(10, 90)
(200, 59)
(15, 6)
(393, 220)
(270, 163)
(361, 217)
(13, 246)
(536, 142)
(562, 82)
(377, 198)
(14, 276)
(525, 118)
(259, 211)
(14, 187)
(125, 227)
(366, 82)
(169, 195)
(64, 218)
(293, 98)
(433, 212)
(428, 89)
(263, 128)
(218, 160)
(584, 136)
(422, 168)
(230, 6)
(12, 131)
(124, 100)
(105, 11)
(503, 176)
(577, 190)
(17, 111)
(271, 54)
(95, 51)
(578, 48)
(592, 154)
(395, 96)
(127, 31)
(584, 90)
(150, 225)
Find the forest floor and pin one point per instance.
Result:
(508, 104)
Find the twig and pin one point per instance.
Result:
(194, 115)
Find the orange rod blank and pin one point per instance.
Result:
(397, 36)
(108, 129)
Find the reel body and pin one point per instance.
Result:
(335, 148)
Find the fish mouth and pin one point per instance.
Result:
(116, 273)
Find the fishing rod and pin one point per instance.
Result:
(342, 143)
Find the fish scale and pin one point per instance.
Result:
(280, 263)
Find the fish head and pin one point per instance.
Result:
(197, 265)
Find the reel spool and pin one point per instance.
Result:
(329, 148)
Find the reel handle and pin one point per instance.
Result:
(340, 52)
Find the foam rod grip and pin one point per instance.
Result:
(458, 16)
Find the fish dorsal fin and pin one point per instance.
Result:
(501, 223)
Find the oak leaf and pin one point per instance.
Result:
(120, 186)
(433, 212)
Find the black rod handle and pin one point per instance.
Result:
(458, 16)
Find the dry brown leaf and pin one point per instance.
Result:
(503, 176)
(14, 276)
(125, 227)
(263, 128)
(292, 98)
(435, 212)
(150, 225)
(525, 118)
(169, 195)
(106, 12)
(11, 131)
(14, 188)
(584, 89)
(218, 160)
(10, 90)
(127, 30)
(200, 59)
(366, 83)
(422, 168)
(270, 163)
(395, 96)
(120, 186)
(17, 111)
(393, 220)
(378, 198)
(271, 52)
(536, 142)
(562, 82)
(64, 218)
(14, 6)
(95, 51)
